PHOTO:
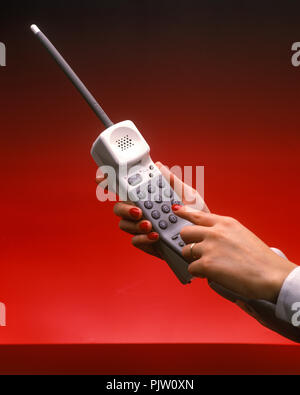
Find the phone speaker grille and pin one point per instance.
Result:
(124, 143)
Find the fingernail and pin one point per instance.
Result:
(152, 236)
(134, 212)
(176, 207)
(144, 226)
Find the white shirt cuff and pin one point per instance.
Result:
(288, 302)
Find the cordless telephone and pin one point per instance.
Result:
(123, 147)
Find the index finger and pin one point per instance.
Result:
(197, 217)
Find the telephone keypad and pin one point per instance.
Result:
(156, 206)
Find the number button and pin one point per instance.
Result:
(148, 204)
(141, 194)
(135, 179)
(151, 188)
(172, 218)
(165, 208)
(163, 224)
(155, 214)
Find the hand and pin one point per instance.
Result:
(229, 254)
(133, 222)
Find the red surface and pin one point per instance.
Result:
(221, 94)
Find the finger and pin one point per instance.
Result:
(192, 252)
(147, 243)
(132, 227)
(194, 234)
(127, 211)
(141, 241)
(187, 194)
(198, 269)
(195, 216)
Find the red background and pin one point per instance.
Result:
(207, 84)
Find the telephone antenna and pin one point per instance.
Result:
(92, 102)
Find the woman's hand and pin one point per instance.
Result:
(132, 220)
(229, 254)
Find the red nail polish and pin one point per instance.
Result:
(144, 226)
(134, 212)
(152, 236)
(176, 207)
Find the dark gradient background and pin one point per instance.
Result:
(207, 83)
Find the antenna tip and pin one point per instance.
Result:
(35, 29)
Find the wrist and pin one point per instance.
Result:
(278, 279)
